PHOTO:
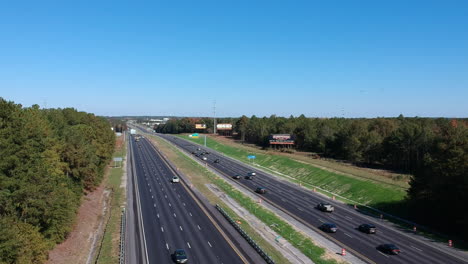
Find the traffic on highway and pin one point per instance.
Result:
(176, 228)
(371, 239)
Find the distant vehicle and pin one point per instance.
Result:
(198, 149)
(237, 176)
(216, 161)
(389, 249)
(368, 228)
(175, 179)
(193, 152)
(329, 227)
(132, 131)
(180, 256)
(251, 173)
(249, 177)
(204, 158)
(260, 190)
(325, 207)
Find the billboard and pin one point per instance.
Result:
(281, 139)
(224, 126)
(200, 126)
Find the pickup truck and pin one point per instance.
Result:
(325, 207)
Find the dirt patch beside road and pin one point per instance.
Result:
(77, 247)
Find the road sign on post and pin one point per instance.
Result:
(251, 157)
(117, 160)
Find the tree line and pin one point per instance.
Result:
(433, 150)
(48, 159)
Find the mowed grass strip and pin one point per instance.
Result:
(110, 248)
(380, 176)
(193, 170)
(362, 191)
(200, 177)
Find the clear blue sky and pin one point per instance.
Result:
(318, 58)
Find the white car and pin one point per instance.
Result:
(204, 158)
(175, 179)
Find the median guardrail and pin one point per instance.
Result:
(252, 242)
(122, 236)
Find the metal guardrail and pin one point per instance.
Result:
(246, 236)
(123, 224)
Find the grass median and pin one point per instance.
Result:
(200, 176)
(110, 250)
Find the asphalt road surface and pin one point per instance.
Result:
(172, 218)
(300, 203)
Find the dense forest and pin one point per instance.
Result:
(48, 159)
(433, 150)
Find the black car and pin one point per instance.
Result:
(367, 228)
(180, 256)
(216, 161)
(260, 190)
(237, 176)
(249, 177)
(329, 227)
(389, 249)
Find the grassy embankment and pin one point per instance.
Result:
(200, 176)
(363, 191)
(110, 249)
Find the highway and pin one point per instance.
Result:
(300, 203)
(172, 217)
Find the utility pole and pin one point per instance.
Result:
(214, 117)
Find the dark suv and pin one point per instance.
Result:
(180, 256)
(367, 228)
(389, 249)
(329, 227)
(260, 190)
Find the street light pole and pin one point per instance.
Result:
(214, 117)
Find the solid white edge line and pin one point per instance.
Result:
(139, 207)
